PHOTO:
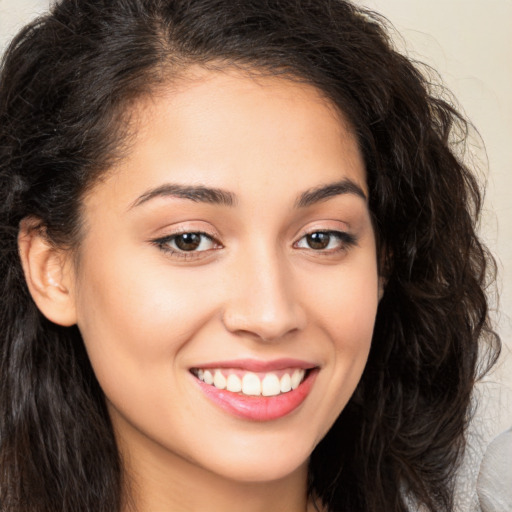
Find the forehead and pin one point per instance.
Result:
(251, 134)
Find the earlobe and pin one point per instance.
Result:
(384, 271)
(47, 273)
(382, 284)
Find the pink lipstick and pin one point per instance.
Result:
(257, 390)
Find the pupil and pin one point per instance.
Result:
(188, 241)
(318, 240)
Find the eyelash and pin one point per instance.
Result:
(164, 244)
(345, 240)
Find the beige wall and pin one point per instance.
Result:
(14, 13)
(470, 43)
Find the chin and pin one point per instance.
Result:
(261, 466)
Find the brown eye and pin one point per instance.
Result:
(328, 241)
(318, 241)
(188, 241)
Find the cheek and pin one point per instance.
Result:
(132, 320)
(346, 304)
(345, 311)
(136, 327)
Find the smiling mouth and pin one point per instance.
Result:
(249, 383)
(255, 390)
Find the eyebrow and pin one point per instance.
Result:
(318, 194)
(203, 194)
(196, 193)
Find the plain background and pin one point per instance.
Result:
(469, 42)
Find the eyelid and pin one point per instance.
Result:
(337, 228)
(183, 227)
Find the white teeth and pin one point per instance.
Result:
(251, 384)
(297, 377)
(208, 377)
(219, 381)
(270, 385)
(234, 384)
(286, 383)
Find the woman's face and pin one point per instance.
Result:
(233, 244)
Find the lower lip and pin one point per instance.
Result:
(260, 408)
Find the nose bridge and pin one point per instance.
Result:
(263, 302)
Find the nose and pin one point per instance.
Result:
(263, 301)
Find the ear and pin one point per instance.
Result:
(48, 272)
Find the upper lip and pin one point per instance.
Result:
(258, 365)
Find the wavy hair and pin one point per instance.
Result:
(66, 86)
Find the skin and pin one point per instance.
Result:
(254, 289)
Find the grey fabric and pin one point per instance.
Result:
(491, 414)
(494, 485)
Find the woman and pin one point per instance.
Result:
(240, 270)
